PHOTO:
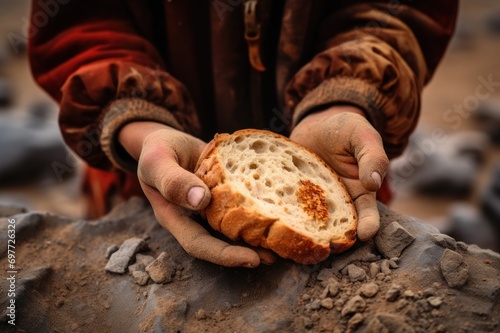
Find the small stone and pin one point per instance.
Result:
(435, 313)
(454, 269)
(384, 322)
(355, 304)
(355, 273)
(316, 304)
(444, 241)
(402, 303)
(305, 297)
(369, 289)
(393, 293)
(392, 240)
(143, 259)
(354, 322)
(333, 287)
(110, 250)
(339, 304)
(119, 260)
(162, 269)
(429, 292)
(325, 275)
(327, 303)
(135, 267)
(393, 264)
(435, 301)
(140, 277)
(315, 317)
(380, 276)
(374, 270)
(408, 294)
(201, 314)
(385, 267)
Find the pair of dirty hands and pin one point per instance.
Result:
(340, 135)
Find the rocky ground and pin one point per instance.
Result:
(124, 273)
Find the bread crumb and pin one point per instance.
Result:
(313, 201)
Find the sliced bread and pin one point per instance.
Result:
(274, 193)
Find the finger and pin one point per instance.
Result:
(159, 168)
(371, 157)
(195, 240)
(368, 216)
(267, 257)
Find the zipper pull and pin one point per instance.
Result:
(252, 35)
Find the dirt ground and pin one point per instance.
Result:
(473, 52)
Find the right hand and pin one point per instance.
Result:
(166, 159)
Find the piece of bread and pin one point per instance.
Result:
(274, 193)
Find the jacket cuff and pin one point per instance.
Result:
(344, 90)
(119, 113)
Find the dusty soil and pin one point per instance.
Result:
(410, 279)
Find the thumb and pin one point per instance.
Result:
(159, 168)
(371, 157)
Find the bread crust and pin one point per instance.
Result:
(227, 212)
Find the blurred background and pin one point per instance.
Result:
(449, 176)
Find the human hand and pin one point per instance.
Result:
(166, 158)
(350, 145)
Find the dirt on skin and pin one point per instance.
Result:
(410, 278)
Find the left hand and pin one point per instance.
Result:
(342, 136)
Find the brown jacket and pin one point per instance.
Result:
(186, 63)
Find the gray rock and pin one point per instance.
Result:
(390, 323)
(385, 267)
(136, 268)
(110, 250)
(316, 304)
(369, 289)
(140, 277)
(454, 269)
(444, 241)
(392, 240)
(119, 261)
(355, 273)
(162, 269)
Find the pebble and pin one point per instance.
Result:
(327, 303)
(201, 314)
(354, 322)
(333, 287)
(369, 289)
(305, 297)
(454, 269)
(315, 317)
(385, 267)
(408, 294)
(119, 260)
(355, 304)
(355, 273)
(429, 292)
(316, 304)
(162, 269)
(392, 240)
(435, 301)
(110, 250)
(393, 293)
(140, 277)
(374, 270)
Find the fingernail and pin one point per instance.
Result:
(195, 195)
(377, 178)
